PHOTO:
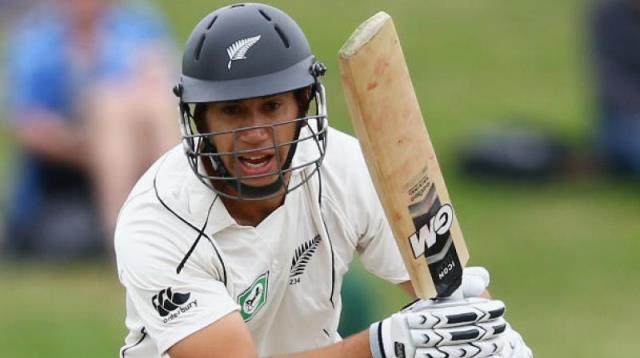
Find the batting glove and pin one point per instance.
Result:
(514, 346)
(475, 281)
(473, 327)
(445, 328)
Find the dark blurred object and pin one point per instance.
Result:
(72, 228)
(615, 42)
(516, 152)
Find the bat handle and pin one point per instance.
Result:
(455, 295)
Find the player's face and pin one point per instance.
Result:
(262, 128)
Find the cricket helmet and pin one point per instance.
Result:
(244, 51)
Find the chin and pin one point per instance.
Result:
(258, 182)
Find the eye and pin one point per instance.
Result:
(272, 106)
(231, 109)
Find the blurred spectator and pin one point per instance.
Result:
(616, 46)
(10, 9)
(88, 99)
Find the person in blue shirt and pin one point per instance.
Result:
(86, 79)
(615, 44)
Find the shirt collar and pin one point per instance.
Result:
(200, 199)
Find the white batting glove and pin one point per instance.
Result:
(448, 328)
(475, 281)
(473, 327)
(514, 346)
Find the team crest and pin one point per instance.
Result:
(238, 50)
(254, 297)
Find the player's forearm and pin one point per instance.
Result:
(356, 346)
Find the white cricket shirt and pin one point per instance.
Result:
(283, 276)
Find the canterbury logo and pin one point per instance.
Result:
(167, 300)
(238, 50)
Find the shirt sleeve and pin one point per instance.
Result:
(377, 248)
(375, 243)
(171, 305)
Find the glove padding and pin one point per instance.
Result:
(471, 327)
(514, 346)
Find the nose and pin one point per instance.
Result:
(256, 128)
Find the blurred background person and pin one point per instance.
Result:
(615, 41)
(87, 86)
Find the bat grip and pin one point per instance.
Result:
(455, 296)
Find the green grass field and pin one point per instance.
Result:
(562, 254)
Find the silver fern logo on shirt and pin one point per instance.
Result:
(301, 258)
(238, 50)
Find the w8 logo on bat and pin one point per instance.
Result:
(426, 237)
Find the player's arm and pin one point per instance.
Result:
(230, 337)
(426, 327)
(227, 337)
(408, 289)
(469, 326)
(355, 346)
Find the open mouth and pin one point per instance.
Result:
(256, 164)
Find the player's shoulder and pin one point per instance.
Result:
(343, 158)
(343, 150)
(156, 215)
(167, 173)
(344, 169)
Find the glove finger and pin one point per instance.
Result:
(514, 345)
(465, 313)
(475, 281)
(458, 335)
(487, 349)
(477, 271)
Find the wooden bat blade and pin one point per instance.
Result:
(400, 157)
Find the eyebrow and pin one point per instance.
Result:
(236, 101)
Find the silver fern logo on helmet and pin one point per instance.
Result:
(238, 49)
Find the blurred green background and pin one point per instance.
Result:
(562, 254)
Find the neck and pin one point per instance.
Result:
(252, 212)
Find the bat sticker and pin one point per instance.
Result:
(432, 240)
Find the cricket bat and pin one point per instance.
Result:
(400, 157)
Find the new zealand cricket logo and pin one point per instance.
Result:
(253, 298)
(301, 258)
(238, 50)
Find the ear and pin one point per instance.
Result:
(303, 97)
(200, 117)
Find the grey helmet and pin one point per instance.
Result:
(244, 51)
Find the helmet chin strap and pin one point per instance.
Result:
(251, 191)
